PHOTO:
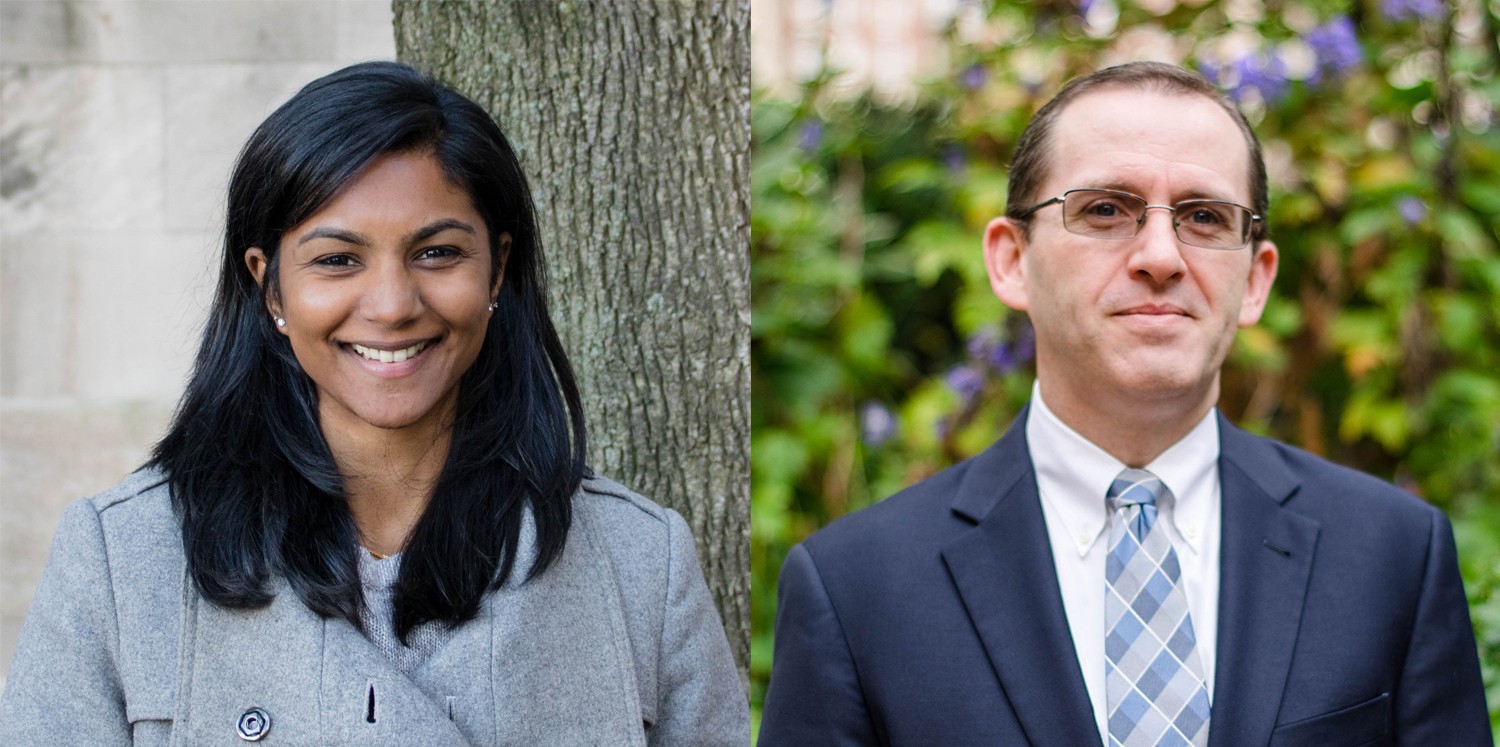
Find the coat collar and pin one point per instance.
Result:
(545, 662)
(1005, 575)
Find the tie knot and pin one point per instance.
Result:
(1135, 487)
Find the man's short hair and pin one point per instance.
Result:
(1028, 168)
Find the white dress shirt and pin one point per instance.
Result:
(1073, 477)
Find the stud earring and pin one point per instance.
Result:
(280, 322)
(493, 306)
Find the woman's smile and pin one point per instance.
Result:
(390, 359)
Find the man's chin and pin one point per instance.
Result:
(1165, 383)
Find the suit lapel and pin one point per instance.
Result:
(1266, 558)
(1005, 575)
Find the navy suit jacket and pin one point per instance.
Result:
(934, 617)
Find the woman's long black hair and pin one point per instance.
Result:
(252, 479)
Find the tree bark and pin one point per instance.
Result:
(632, 121)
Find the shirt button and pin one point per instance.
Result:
(1191, 532)
(1083, 540)
(253, 725)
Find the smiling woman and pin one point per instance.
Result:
(371, 518)
(385, 295)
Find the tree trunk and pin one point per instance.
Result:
(632, 121)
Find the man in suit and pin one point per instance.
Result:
(1124, 566)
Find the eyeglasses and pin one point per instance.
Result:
(1110, 214)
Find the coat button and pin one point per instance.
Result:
(253, 724)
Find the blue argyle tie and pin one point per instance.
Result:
(1153, 679)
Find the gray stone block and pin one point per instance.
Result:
(46, 32)
(210, 112)
(83, 147)
(38, 297)
(366, 31)
(167, 31)
(141, 306)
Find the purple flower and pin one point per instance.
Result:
(981, 345)
(972, 76)
(1412, 209)
(954, 159)
(876, 424)
(811, 136)
(1411, 10)
(985, 348)
(967, 380)
(1337, 47)
(1262, 72)
(1084, 6)
(1210, 70)
(1023, 348)
(1003, 358)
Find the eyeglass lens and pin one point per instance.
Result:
(1115, 215)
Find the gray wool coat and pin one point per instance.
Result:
(618, 643)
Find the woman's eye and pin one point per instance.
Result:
(438, 252)
(336, 260)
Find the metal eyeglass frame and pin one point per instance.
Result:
(1249, 229)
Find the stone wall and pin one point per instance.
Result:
(119, 122)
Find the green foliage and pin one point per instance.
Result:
(880, 355)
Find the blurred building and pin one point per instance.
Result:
(885, 46)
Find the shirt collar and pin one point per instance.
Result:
(1183, 468)
(1083, 472)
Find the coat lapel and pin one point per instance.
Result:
(367, 700)
(546, 662)
(1265, 562)
(1005, 575)
(313, 677)
(549, 662)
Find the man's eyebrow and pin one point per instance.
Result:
(1200, 194)
(337, 234)
(1117, 186)
(433, 229)
(1191, 194)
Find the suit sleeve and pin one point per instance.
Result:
(814, 696)
(64, 686)
(1440, 699)
(702, 700)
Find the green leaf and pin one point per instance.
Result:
(1367, 414)
(938, 246)
(1364, 223)
(866, 338)
(912, 174)
(1463, 236)
(1482, 196)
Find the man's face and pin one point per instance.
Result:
(1147, 318)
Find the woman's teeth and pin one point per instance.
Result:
(388, 356)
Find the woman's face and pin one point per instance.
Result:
(386, 293)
